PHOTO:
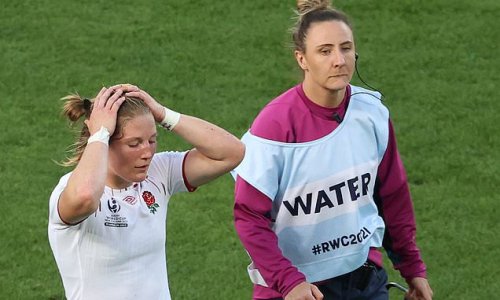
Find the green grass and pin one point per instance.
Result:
(436, 62)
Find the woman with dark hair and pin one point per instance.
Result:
(322, 185)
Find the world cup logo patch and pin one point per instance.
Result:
(150, 201)
(113, 205)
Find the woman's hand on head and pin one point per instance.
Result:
(105, 110)
(135, 92)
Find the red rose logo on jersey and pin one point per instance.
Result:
(150, 201)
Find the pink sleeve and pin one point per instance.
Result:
(253, 225)
(397, 211)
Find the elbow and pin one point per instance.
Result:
(233, 157)
(237, 155)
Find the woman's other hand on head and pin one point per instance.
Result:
(105, 109)
(135, 92)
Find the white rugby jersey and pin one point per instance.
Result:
(119, 251)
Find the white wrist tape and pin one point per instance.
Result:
(171, 119)
(100, 136)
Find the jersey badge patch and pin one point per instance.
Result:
(150, 201)
(115, 219)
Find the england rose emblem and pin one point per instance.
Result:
(150, 201)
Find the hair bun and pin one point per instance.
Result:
(305, 6)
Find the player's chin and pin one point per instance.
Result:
(139, 176)
(339, 83)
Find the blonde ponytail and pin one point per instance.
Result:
(74, 108)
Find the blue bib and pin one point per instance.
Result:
(322, 191)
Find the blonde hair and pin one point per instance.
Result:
(312, 11)
(75, 107)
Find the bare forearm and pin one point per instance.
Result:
(210, 140)
(90, 173)
(82, 194)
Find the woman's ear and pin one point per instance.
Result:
(301, 60)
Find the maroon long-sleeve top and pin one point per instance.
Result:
(283, 121)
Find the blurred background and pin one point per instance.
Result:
(436, 62)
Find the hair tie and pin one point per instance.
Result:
(87, 103)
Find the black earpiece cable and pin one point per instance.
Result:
(364, 82)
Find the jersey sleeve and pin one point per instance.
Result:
(54, 217)
(253, 224)
(253, 204)
(393, 198)
(168, 168)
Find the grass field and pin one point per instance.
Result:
(436, 62)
